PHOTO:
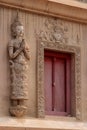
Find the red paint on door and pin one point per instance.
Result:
(57, 83)
(48, 83)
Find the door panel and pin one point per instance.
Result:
(48, 83)
(68, 81)
(59, 74)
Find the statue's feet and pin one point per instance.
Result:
(18, 111)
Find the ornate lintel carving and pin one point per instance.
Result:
(55, 31)
(59, 31)
(18, 58)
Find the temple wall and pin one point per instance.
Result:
(34, 24)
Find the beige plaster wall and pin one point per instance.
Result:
(33, 24)
(82, 0)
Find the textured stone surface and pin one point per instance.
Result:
(18, 59)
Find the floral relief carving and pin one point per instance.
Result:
(76, 76)
(55, 31)
(19, 56)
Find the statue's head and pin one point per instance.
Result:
(17, 28)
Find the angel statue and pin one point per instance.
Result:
(19, 56)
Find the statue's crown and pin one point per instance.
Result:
(14, 25)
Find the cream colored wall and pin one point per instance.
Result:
(84, 70)
(33, 23)
(83, 1)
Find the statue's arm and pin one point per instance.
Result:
(27, 52)
(26, 49)
(15, 54)
(12, 54)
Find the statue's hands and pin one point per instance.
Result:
(23, 44)
(27, 48)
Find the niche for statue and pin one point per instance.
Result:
(19, 56)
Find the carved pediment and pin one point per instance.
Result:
(55, 31)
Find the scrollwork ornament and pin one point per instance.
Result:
(54, 31)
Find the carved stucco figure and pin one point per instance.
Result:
(55, 31)
(19, 57)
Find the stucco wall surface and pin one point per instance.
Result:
(34, 24)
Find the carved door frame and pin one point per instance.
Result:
(75, 75)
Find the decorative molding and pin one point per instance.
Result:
(66, 9)
(55, 31)
(76, 76)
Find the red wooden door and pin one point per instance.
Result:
(48, 83)
(59, 74)
(57, 83)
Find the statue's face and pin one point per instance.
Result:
(20, 31)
